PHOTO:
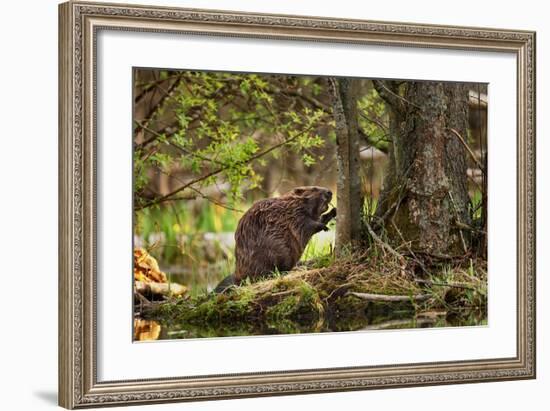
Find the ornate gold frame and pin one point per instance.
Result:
(79, 24)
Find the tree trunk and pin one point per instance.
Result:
(349, 196)
(425, 198)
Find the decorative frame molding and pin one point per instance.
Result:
(78, 27)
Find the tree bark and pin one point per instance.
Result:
(425, 198)
(349, 195)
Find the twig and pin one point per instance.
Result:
(390, 96)
(214, 201)
(281, 293)
(311, 100)
(390, 298)
(198, 194)
(472, 154)
(463, 226)
(372, 120)
(383, 244)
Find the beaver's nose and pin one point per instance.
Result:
(329, 194)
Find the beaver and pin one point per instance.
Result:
(274, 232)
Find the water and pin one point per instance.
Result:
(147, 330)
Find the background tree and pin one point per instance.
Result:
(345, 92)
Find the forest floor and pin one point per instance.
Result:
(336, 294)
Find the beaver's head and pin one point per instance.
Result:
(316, 199)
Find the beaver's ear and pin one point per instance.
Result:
(298, 191)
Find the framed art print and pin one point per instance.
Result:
(259, 205)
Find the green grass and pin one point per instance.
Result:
(476, 198)
(174, 234)
(183, 218)
(318, 248)
(181, 226)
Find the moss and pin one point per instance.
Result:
(303, 305)
(283, 309)
(213, 308)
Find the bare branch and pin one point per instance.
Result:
(375, 121)
(389, 96)
(198, 193)
(472, 154)
(152, 112)
(310, 100)
(214, 201)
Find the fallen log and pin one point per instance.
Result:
(389, 298)
(159, 289)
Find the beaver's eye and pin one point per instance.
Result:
(298, 191)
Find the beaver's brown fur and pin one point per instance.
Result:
(274, 232)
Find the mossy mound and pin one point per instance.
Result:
(310, 297)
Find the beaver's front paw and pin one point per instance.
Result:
(325, 218)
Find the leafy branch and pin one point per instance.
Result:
(170, 196)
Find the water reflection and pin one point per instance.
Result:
(153, 330)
